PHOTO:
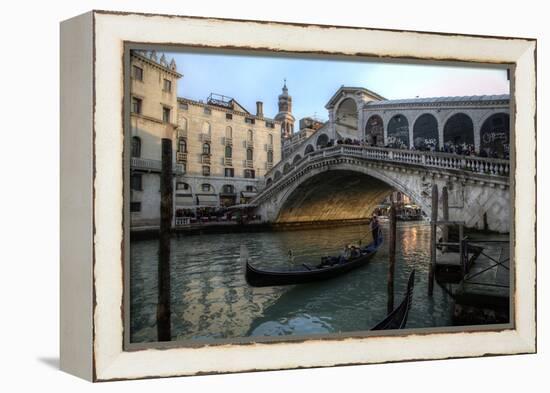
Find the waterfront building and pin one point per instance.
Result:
(153, 117)
(225, 150)
(221, 151)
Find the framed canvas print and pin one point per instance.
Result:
(249, 195)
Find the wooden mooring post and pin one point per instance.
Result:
(392, 245)
(445, 213)
(433, 240)
(163, 304)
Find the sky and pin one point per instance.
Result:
(311, 82)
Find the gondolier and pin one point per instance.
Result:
(375, 228)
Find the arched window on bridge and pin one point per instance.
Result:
(286, 168)
(322, 140)
(309, 149)
(425, 133)
(374, 131)
(268, 182)
(346, 114)
(398, 132)
(495, 136)
(458, 130)
(296, 158)
(278, 175)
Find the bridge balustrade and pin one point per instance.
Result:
(488, 166)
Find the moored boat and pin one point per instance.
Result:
(328, 268)
(397, 319)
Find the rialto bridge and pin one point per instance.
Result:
(322, 180)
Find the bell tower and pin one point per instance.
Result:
(285, 113)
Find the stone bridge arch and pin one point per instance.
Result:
(340, 191)
(344, 184)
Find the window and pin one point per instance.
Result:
(167, 86)
(270, 157)
(183, 124)
(206, 128)
(207, 111)
(136, 182)
(136, 147)
(136, 105)
(205, 187)
(228, 132)
(229, 172)
(135, 207)
(251, 189)
(249, 120)
(228, 116)
(228, 189)
(182, 186)
(206, 148)
(249, 154)
(165, 114)
(184, 106)
(270, 139)
(206, 170)
(137, 73)
(249, 173)
(182, 145)
(250, 136)
(228, 152)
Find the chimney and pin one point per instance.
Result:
(259, 109)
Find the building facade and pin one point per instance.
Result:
(220, 150)
(153, 116)
(225, 151)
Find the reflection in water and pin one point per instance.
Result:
(210, 298)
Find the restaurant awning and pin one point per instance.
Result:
(208, 199)
(184, 200)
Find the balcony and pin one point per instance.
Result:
(205, 159)
(249, 163)
(268, 166)
(181, 156)
(144, 164)
(228, 161)
(182, 133)
(268, 147)
(206, 138)
(249, 144)
(228, 141)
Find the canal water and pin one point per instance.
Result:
(211, 300)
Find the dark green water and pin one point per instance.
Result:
(210, 298)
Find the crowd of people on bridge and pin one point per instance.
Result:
(464, 149)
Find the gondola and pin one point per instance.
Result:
(328, 268)
(397, 319)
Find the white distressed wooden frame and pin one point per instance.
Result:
(92, 198)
